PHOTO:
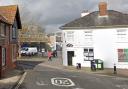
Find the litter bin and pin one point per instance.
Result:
(99, 64)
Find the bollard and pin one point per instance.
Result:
(115, 71)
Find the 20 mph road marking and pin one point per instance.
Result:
(62, 82)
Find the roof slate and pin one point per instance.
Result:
(114, 18)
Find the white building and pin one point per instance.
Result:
(101, 35)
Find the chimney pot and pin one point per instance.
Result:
(103, 8)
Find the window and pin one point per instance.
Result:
(123, 55)
(88, 35)
(14, 53)
(14, 30)
(88, 54)
(122, 35)
(3, 56)
(70, 36)
(2, 29)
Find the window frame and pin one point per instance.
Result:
(70, 36)
(14, 30)
(88, 54)
(3, 56)
(2, 29)
(122, 54)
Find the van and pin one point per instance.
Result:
(29, 51)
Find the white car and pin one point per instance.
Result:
(29, 51)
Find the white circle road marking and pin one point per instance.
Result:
(62, 82)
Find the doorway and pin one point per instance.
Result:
(70, 54)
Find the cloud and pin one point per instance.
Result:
(6, 2)
(52, 13)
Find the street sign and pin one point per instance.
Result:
(62, 82)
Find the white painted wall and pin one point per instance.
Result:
(105, 43)
(104, 46)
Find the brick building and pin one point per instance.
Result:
(9, 24)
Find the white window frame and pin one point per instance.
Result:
(70, 36)
(13, 53)
(3, 56)
(88, 55)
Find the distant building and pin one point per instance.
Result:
(9, 24)
(32, 36)
(101, 35)
(55, 40)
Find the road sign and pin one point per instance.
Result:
(62, 82)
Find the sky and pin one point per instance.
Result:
(51, 14)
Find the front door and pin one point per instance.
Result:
(70, 54)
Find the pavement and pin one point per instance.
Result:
(10, 79)
(57, 64)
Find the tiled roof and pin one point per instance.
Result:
(9, 12)
(3, 19)
(93, 20)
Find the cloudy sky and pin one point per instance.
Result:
(53, 13)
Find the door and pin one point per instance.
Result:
(70, 54)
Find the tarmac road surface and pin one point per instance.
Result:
(49, 78)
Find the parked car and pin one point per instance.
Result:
(29, 51)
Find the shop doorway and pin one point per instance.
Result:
(70, 54)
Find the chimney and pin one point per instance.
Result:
(84, 13)
(102, 8)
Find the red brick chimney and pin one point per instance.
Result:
(102, 8)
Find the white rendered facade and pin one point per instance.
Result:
(101, 43)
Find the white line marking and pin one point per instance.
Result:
(41, 83)
(62, 82)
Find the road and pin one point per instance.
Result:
(48, 78)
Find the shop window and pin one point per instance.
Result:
(123, 55)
